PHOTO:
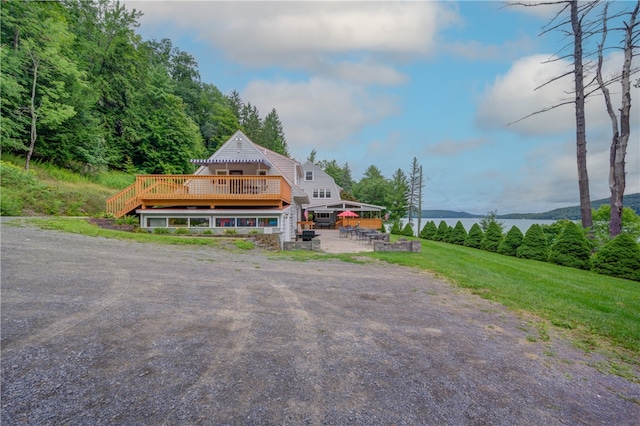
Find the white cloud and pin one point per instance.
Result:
(518, 93)
(309, 35)
(319, 113)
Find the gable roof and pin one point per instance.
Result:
(240, 149)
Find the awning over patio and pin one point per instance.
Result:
(205, 162)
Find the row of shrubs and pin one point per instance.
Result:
(566, 244)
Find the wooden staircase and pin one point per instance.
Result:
(124, 202)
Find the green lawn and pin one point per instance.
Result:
(569, 298)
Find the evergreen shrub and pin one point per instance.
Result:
(442, 234)
(408, 230)
(395, 228)
(571, 248)
(619, 257)
(474, 237)
(429, 230)
(458, 235)
(534, 244)
(492, 238)
(510, 243)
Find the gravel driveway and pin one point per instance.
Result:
(99, 331)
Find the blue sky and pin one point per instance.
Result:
(379, 83)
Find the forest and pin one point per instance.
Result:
(82, 90)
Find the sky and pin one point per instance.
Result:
(381, 82)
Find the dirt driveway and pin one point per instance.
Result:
(99, 331)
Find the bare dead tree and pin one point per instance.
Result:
(621, 133)
(577, 28)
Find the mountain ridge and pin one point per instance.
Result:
(571, 213)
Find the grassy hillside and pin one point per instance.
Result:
(49, 190)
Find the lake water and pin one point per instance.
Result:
(522, 224)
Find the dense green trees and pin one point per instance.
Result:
(81, 89)
(396, 201)
(373, 188)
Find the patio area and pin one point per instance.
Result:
(332, 242)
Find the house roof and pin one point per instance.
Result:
(344, 205)
(239, 149)
(204, 162)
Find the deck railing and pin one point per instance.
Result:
(153, 188)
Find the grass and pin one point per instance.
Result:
(596, 305)
(50, 190)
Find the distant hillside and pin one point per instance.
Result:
(437, 214)
(571, 213)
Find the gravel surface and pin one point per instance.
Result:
(99, 331)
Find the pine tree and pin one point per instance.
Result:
(458, 235)
(474, 237)
(396, 201)
(572, 248)
(272, 134)
(510, 243)
(492, 238)
(534, 244)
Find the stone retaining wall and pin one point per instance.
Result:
(400, 245)
(313, 245)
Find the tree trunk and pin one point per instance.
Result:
(617, 178)
(34, 114)
(581, 138)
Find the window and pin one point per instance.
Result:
(321, 193)
(247, 222)
(199, 222)
(156, 222)
(323, 215)
(262, 172)
(177, 222)
(308, 175)
(225, 222)
(267, 221)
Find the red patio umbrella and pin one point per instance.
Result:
(348, 213)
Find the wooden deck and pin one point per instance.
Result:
(200, 191)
